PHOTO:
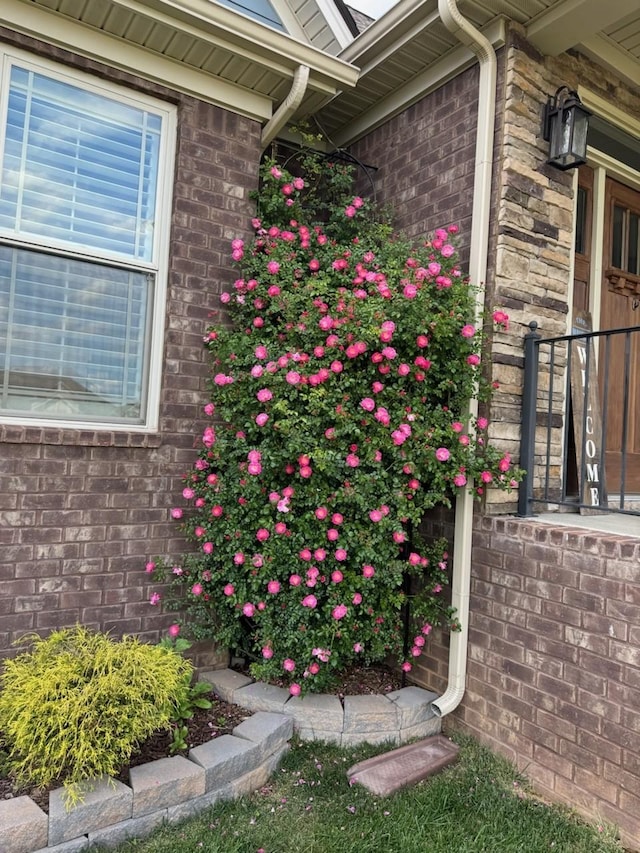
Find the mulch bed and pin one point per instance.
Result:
(218, 720)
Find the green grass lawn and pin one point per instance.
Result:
(479, 804)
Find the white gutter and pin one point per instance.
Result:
(287, 107)
(461, 579)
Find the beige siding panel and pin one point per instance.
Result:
(628, 37)
(159, 38)
(216, 61)
(138, 31)
(118, 21)
(179, 46)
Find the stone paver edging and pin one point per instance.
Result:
(394, 718)
(225, 768)
(169, 789)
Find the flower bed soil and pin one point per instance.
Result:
(213, 722)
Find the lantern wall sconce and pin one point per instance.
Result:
(564, 126)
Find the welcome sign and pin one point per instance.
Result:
(587, 423)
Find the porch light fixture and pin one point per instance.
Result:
(565, 125)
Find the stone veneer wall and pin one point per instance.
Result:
(532, 231)
(553, 676)
(83, 510)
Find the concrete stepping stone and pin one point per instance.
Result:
(387, 773)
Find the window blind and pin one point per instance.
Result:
(78, 167)
(72, 336)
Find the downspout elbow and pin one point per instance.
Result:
(288, 107)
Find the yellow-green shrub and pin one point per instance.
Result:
(75, 706)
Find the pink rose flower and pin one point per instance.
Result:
(368, 571)
(310, 601)
(248, 609)
(196, 589)
(442, 454)
(173, 631)
(295, 689)
(273, 587)
(468, 331)
(339, 612)
(267, 652)
(288, 665)
(229, 589)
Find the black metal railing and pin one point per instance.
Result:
(581, 421)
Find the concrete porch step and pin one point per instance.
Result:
(387, 773)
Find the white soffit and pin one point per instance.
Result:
(194, 46)
(355, 113)
(569, 22)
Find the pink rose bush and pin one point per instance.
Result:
(342, 365)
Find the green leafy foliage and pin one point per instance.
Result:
(342, 369)
(75, 706)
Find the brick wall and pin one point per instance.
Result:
(81, 512)
(424, 159)
(553, 678)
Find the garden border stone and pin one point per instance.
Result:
(395, 717)
(169, 789)
(223, 769)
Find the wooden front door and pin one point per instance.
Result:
(619, 364)
(620, 308)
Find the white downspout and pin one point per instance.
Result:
(461, 579)
(287, 107)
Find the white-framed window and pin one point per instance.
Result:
(86, 170)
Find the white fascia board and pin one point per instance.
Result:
(436, 75)
(385, 32)
(110, 50)
(607, 110)
(291, 24)
(428, 81)
(378, 57)
(607, 53)
(269, 48)
(569, 22)
(335, 22)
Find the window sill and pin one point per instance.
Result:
(10, 434)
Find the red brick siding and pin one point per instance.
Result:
(553, 678)
(81, 511)
(425, 159)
